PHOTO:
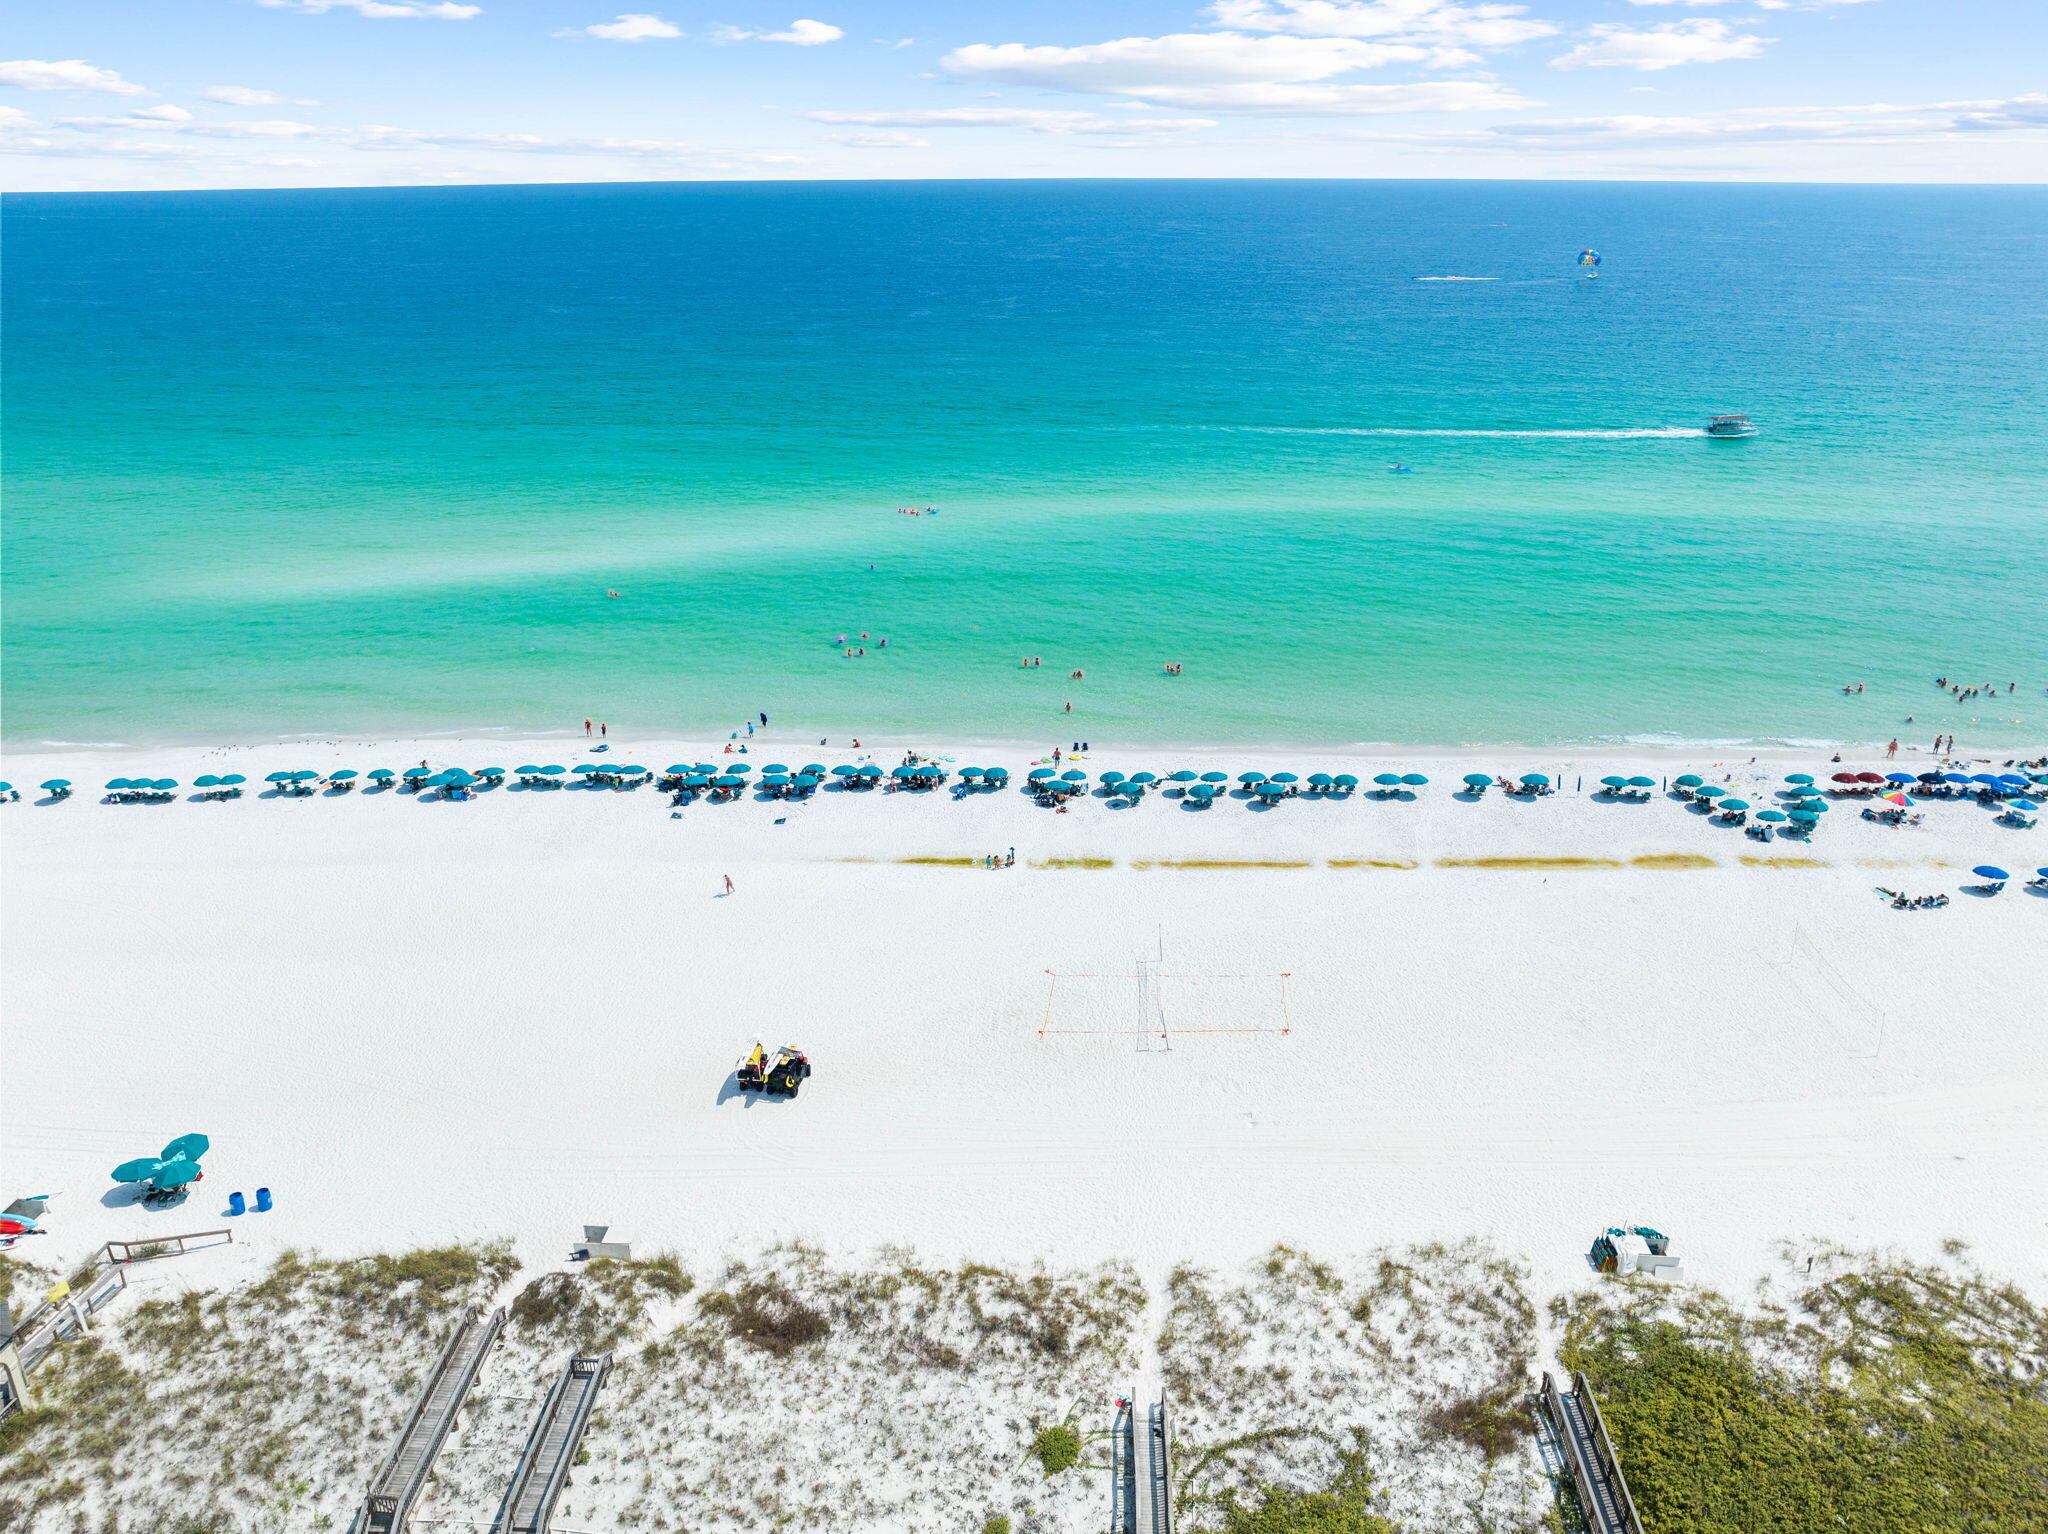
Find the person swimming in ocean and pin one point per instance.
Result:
(1399, 468)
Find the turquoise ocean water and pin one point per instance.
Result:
(360, 462)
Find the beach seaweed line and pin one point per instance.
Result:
(1654, 861)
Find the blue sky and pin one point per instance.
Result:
(113, 94)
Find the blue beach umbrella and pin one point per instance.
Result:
(499, 772)
(741, 767)
(56, 783)
(1770, 814)
(1690, 780)
(1818, 806)
(1803, 815)
(869, 771)
(346, 775)
(1183, 776)
(1074, 775)
(1413, 779)
(777, 779)
(1345, 780)
(904, 771)
(1203, 790)
(1387, 779)
(137, 1170)
(1040, 774)
(1535, 780)
(1642, 782)
(1269, 789)
(837, 772)
(1984, 777)
(638, 772)
(1481, 780)
(729, 780)
(2018, 804)
(1711, 791)
(119, 783)
(1799, 777)
(1955, 777)
(457, 777)
(1142, 778)
(774, 767)
(1734, 804)
(228, 778)
(551, 771)
(1321, 780)
(1900, 777)
(529, 770)
(1604, 782)
(1110, 777)
(1986, 871)
(1000, 774)
(1215, 777)
(191, 1147)
(285, 777)
(970, 772)
(164, 785)
(696, 780)
(814, 768)
(208, 781)
(175, 1174)
(1249, 778)
(1283, 777)
(586, 768)
(384, 774)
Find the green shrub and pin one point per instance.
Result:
(1057, 1448)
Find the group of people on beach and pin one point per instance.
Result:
(854, 651)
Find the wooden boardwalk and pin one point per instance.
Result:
(1589, 1457)
(550, 1452)
(1141, 1470)
(403, 1476)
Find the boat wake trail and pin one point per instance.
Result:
(1603, 434)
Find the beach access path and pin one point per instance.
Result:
(421, 1021)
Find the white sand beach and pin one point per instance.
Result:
(416, 1020)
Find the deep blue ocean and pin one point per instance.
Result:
(357, 462)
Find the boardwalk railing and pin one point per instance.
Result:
(1589, 1457)
(550, 1452)
(166, 1246)
(404, 1472)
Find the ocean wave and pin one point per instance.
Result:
(1617, 433)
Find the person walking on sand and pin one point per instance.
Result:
(728, 884)
(1892, 749)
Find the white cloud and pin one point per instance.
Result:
(805, 34)
(442, 10)
(1132, 66)
(898, 42)
(243, 96)
(632, 27)
(65, 75)
(1701, 40)
(1877, 123)
(1230, 72)
(1036, 120)
(880, 140)
(1790, 5)
(1428, 21)
(14, 117)
(165, 113)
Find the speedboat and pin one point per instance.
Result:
(1730, 426)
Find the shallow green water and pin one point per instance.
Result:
(369, 461)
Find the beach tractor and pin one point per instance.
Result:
(786, 1072)
(750, 1071)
